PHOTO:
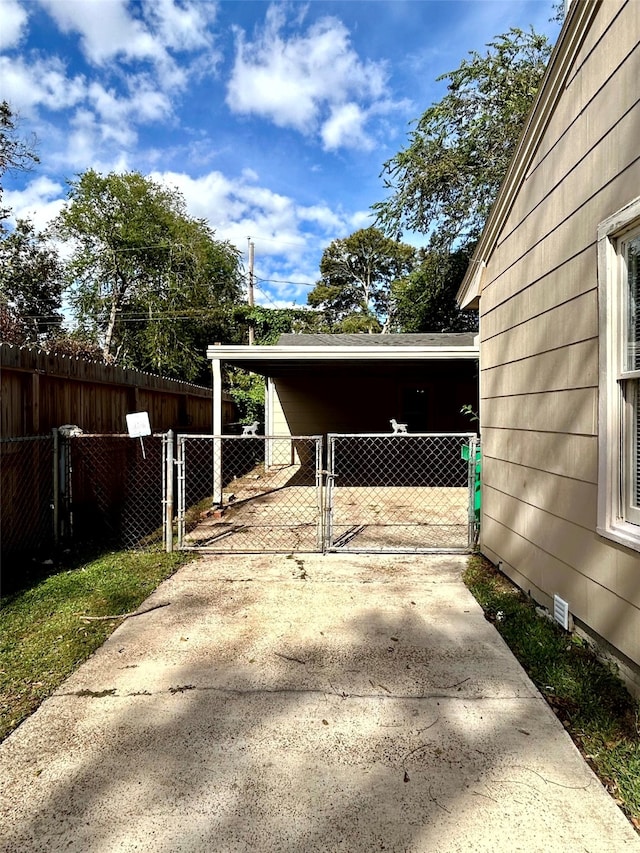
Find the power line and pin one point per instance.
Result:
(283, 281)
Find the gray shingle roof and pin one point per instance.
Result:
(434, 339)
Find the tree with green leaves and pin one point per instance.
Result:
(31, 282)
(358, 274)
(269, 323)
(16, 153)
(30, 269)
(444, 182)
(147, 280)
(426, 299)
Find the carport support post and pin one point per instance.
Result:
(217, 430)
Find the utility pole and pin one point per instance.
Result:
(250, 295)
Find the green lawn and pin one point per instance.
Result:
(42, 637)
(585, 693)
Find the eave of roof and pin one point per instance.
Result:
(579, 18)
(420, 339)
(267, 359)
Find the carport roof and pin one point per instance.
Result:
(298, 350)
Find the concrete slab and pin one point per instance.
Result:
(303, 703)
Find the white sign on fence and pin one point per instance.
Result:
(138, 425)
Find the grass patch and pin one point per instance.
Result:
(42, 639)
(585, 693)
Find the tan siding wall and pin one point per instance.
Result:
(569, 323)
(568, 498)
(557, 229)
(539, 350)
(295, 412)
(363, 399)
(565, 455)
(571, 366)
(610, 39)
(603, 606)
(279, 421)
(570, 411)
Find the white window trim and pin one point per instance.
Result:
(610, 522)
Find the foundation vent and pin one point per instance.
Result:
(561, 612)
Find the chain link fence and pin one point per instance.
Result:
(27, 473)
(249, 494)
(69, 488)
(404, 492)
(112, 489)
(239, 493)
(377, 493)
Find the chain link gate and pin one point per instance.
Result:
(401, 492)
(260, 494)
(250, 494)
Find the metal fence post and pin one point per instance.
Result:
(56, 487)
(472, 486)
(168, 517)
(328, 498)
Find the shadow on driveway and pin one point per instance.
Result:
(298, 704)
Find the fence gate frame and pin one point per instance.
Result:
(468, 445)
(313, 444)
(326, 483)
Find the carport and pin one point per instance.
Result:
(328, 472)
(322, 384)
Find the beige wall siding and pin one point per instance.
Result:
(569, 411)
(279, 425)
(602, 606)
(539, 343)
(571, 366)
(559, 227)
(566, 455)
(611, 38)
(569, 323)
(539, 296)
(363, 399)
(566, 497)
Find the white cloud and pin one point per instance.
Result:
(289, 238)
(39, 82)
(40, 201)
(345, 127)
(311, 81)
(100, 116)
(105, 146)
(360, 219)
(132, 33)
(182, 26)
(145, 104)
(330, 221)
(106, 29)
(14, 21)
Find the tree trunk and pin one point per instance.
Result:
(108, 337)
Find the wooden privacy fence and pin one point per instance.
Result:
(42, 391)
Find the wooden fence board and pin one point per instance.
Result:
(40, 391)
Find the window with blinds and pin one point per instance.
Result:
(630, 375)
(619, 386)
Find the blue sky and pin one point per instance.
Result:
(273, 119)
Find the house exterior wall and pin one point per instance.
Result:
(363, 399)
(540, 344)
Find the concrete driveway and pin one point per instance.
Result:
(308, 703)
